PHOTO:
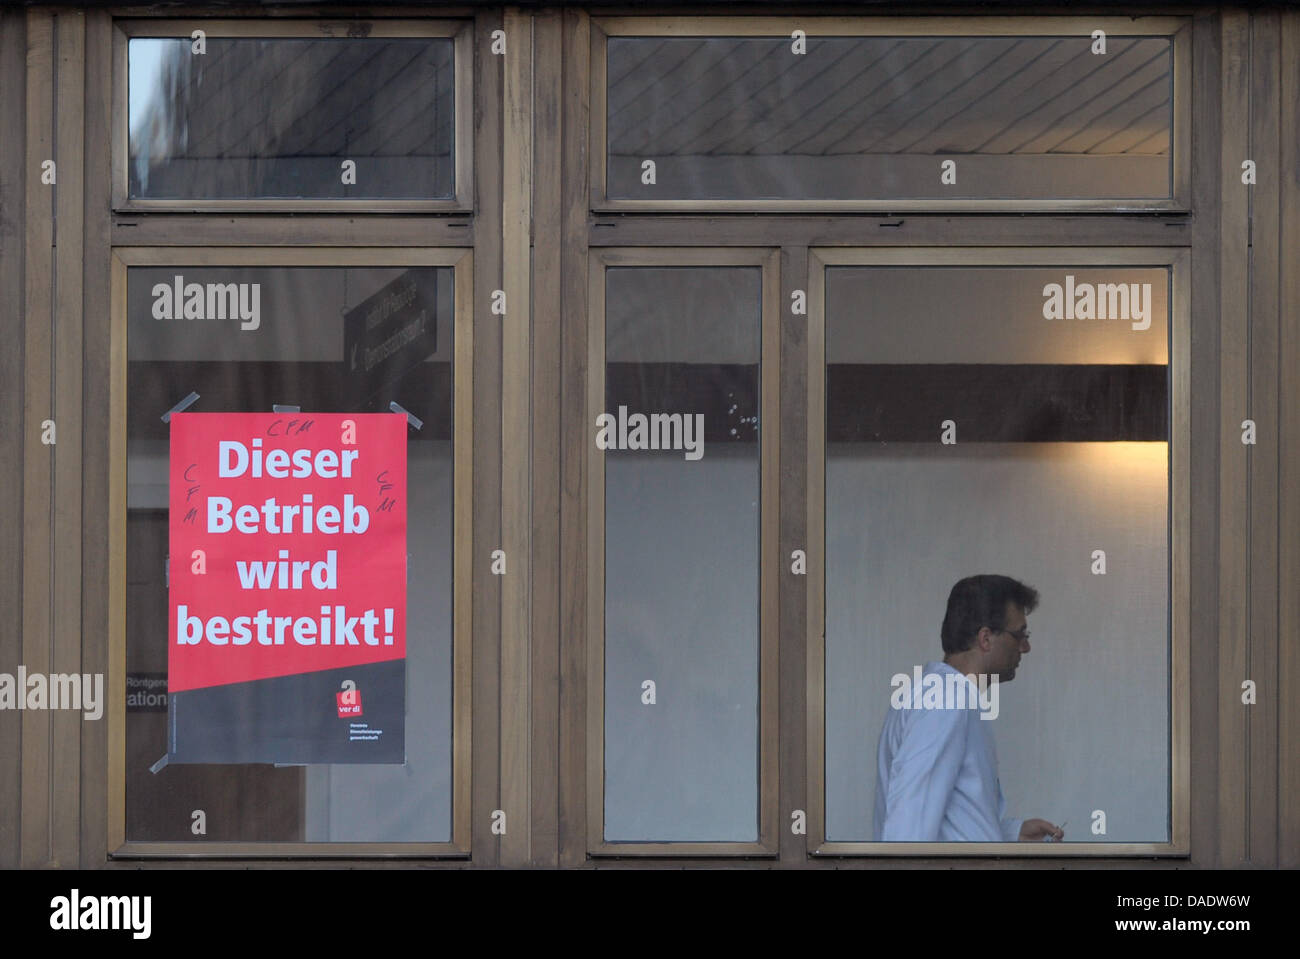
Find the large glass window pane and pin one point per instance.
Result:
(681, 553)
(257, 118)
(862, 118)
(325, 339)
(1009, 421)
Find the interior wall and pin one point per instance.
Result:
(681, 610)
(1084, 725)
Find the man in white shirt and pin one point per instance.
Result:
(937, 767)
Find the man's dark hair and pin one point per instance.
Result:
(979, 601)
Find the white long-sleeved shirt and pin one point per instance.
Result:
(937, 777)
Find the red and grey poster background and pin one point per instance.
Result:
(287, 636)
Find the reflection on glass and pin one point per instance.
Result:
(681, 554)
(969, 434)
(871, 118)
(278, 118)
(293, 349)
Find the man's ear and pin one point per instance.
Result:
(984, 639)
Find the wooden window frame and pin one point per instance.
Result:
(461, 261)
(1244, 757)
(769, 447)
(1178, 261)
(461, 32)
(1178, 29)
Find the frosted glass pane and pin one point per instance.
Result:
(681, 558)
(974, 428)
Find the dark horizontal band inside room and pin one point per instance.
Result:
(1012, 403)
(155, 386)
(726, 393)
(1002, 403)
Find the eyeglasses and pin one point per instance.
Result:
(1020, 635)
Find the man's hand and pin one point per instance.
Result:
(1032, 830)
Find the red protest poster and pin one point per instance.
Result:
(287, 587)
